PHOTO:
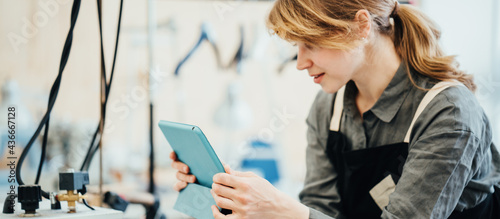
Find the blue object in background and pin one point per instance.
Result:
(265, 160)
(11, 96)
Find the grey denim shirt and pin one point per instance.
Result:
(452, 162)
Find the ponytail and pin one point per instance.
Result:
(416, 40)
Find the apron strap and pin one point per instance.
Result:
(338, 108)
(429, 96)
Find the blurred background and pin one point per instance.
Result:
(240, 85)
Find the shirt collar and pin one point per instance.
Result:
(389, 103)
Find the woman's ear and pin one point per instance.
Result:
(363, 19)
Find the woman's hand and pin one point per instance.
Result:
(250, 196)
(182, 173)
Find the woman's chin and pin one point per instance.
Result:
(330, 89)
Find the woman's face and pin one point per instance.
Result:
(331, 68)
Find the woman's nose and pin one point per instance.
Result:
(303, 61)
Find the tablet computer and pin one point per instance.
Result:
(193, 149)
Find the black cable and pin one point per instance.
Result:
(98, 129)
(45, 138)
(42, 155)
(87, 204)
(104, 86)
(151, 153)
(103, 63)
(116, 48)
(83, 167)
(52, 95)
(102, 110)
(93, 147)
(83, 191)
(54, 91)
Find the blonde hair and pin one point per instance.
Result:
(331, 24)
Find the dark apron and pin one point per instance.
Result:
(360, 170)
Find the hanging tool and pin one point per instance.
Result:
(206, 34)
(239, 56)
(283, 64)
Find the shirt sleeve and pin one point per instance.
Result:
(320, 191)
(449, 142)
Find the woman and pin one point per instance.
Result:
(395, 133)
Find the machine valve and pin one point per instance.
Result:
(74, 183)
(29, 196)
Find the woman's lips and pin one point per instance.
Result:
(318, 78)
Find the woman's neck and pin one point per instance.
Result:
(380, 66)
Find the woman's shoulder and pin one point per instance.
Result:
(459, 108)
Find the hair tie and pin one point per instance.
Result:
(395, 10)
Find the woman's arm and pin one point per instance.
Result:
(320, 190)
(319, 194)
(449, 150)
